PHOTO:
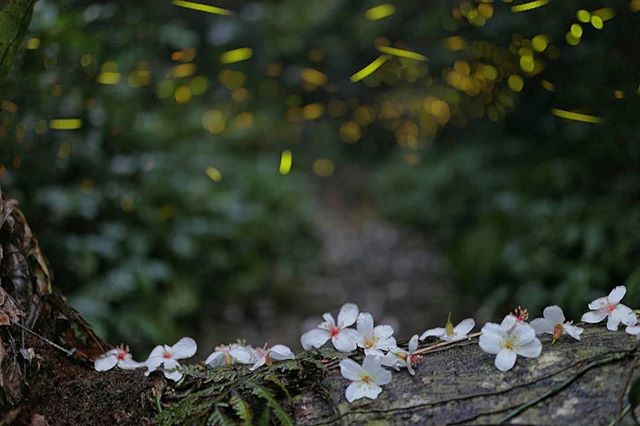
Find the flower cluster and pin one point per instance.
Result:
(166, 357)
(511, 338)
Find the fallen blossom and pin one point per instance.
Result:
(398, 358)
(449, 333)
(119, 356)
(508, 340)
(611, 307)
(553, 322)
(229, 354)
(262, 356)
(168, 356)
(366, 379)
(634, 330)
(372, 339)
(344, 339)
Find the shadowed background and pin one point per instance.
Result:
(236, 175)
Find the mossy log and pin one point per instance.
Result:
(46, 373)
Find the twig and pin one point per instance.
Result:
(439, 345)
(55, 345)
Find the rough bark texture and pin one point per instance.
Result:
(571, 383)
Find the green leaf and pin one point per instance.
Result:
(274, 405)
(242, 409)
(634, 399)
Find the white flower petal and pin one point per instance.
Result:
(413, 343)
(523, 334)
(281, 352)
(242, 355)
(573, 330)
(105, 362)
(594, 317)
(598, 303)
(542, 325)
(328, 323)
(130, 364)
(491, 338)
(347, 315)
(386, 344)
(392, 360)
(383, 331)
(174, 375)
(184, 348)
(370, 390)
(617, 294)
(258, 363)
(365, 324)
(370, 363)
(346, 340)
(554, 314)
(158, 351)
(314, 338)
(216, 359)
(531, 349)
(464, 327)
(634, 330)
(381, 376)
(433, 332)
(350, 369)
(505, 360)
(508, 322)
(152, 363)
(614, 321)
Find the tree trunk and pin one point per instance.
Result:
(46, 374)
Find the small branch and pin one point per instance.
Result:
(55, 345)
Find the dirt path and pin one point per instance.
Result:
(394, 273)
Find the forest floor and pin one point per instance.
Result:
(395, 273)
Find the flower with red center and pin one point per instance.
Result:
(167, 357)
(343, 338)
(119, 356)
(554, 323)
(611, 308)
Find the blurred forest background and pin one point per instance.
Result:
(238, 171)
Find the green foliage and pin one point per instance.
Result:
(165, 205)
(236, 395)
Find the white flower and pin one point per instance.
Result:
(611, 307)
(449, 333)
(119, 356)
(399, 358)
(344, 339)
(634, 330)
(168, 356)
(262, 356)
(229, 354)
(508, 340)
(374, 339)
(366, 379)
(554, 323)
